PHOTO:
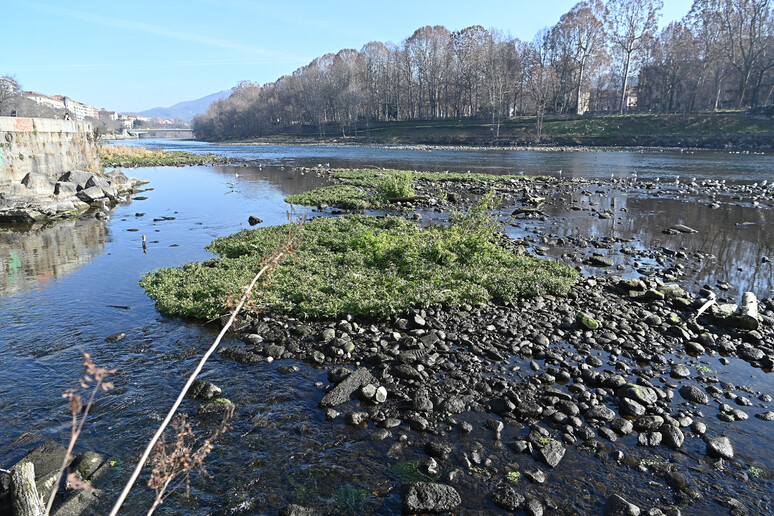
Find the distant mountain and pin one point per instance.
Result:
(187, 109)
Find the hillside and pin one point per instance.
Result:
(185, 110)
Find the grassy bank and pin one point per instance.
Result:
(360, 265)
(374, 188)
(695, 129)
(124, 156)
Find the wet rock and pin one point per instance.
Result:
(356, 418)
(87, 463)
(639, 393)
(288, 369)
(537, 476)
(421, 497)
(78, 503)
(694, 394)
(587, 321)
(438, 449)
(649, 439)
(533, 507)
(598, 260)
(720, 447)
(341, 393)
(551, 453)
(253, 220)
(672, 436)
(615, 505)
(116, 337)
(629, 407)
(681, 228)
(217, 406)
(765, 416)
(600, 412)
(298, 510)
(507, 497)
(680, 371)
(204, 390)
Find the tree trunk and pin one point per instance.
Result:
(625, 81)
(24, 494)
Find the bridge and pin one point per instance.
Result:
(153, 130)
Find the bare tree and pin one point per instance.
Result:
(542, 79)
(630, 23)
(579, 39)
(9, 94)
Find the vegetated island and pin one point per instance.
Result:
(125, 156)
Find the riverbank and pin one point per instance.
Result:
(725, 130)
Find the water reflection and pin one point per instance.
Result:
(728, 247)
(37, 255)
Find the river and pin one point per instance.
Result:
(66, 287)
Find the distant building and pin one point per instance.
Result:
(108, 115)
(80, 111)
(45, 100)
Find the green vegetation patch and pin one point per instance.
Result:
(359, 265)
(370, 176)
(372, 188)
(344, 196)
(121, 155)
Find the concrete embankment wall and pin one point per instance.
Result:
(46, 146)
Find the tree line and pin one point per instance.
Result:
(599, 57)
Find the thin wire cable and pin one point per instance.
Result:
(181, 396)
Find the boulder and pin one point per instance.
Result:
(342, 392)
(103, 184)
(204, 390)
(65, 189)
(419, 497)
(79, 177)
(90, 195)
(506, 497)
(643, 395)
(551, 453)
(694, 394)
(720, 447)
(38, 184)
(615, 505)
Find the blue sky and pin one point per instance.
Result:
(131, 56)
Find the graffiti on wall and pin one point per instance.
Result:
(23, 124)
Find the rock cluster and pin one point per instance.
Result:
(39, 197)
(606, 362)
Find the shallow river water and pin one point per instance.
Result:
(67, 286)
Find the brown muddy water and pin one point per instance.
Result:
(66, 287)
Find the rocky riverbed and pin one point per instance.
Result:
(612, 399)
(619, 373)
(617, 398)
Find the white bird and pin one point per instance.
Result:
(236, 174)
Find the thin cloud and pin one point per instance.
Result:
(161, 31)
(136, 66)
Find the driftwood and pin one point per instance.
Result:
(24, 493)
(748, 312)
